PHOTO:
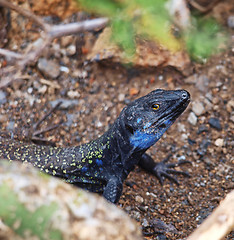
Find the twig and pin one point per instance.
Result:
(11, 54)
(50, 32)
(26, 13)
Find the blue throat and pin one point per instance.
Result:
(145, 139)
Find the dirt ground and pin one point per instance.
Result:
(95, 93)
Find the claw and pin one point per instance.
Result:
(163, 170)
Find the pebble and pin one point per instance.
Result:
(181, 127)
(192, 118)
(10, 125)
(71, 50)
(202, 83)
(121, 97)
(202, 128)
(48, 68)
(191, 79)
(230, 21)
(66, 103)
(3, 97)
(219, 142)
(42, 89)
(198, 108)
(64, 69)
(145, 223)
(232, 118)
(215, 123)
(3, 118)
(73, 94)
(139, 199)
(230, 105)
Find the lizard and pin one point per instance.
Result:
(103, 164)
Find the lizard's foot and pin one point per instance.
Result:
(164, 170)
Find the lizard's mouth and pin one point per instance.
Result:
(169, 116)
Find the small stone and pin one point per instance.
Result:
(2, 97)
(230, 21)
(48, 68)
(66, 104)
(66, 40)
(73, 94)
(181, 127)
(184, 136)
(10, 126)
(71, 50)
(42, 89)
(98, 124)
(139, 199)
(219, 142)
(230, 105)
(202, 128)
(208, 104)
(191, 79)
(192, 118)
(30, 90)
(215, 123)
(3, 118)
(198, 108)
(121, 97)
(232, 118)
(215, 100)
(202, 83)
(64, 69)
(133, 91)
(160, 77)
(145, 223)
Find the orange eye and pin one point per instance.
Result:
(155, 106)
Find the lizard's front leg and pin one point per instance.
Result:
(113, 189)
(162, 169)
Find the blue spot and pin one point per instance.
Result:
(147, 125)
(138, 120)
(84, 169)
(99, 162)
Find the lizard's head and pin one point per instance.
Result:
(148, 117)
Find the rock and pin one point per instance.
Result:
(215, 123)
(2, 97)
(121, 97)
(202, 83)
(230, 21)
(230, 105)
(139, 199)
(10, 126)
(73, 94)
(37, 204)
(198, 108)
(191, 79)
(192, 118)
(219, 142)
(202, 128)
(203, 147)
(71, 50)
(145, 223)
(66, 103)
(48, 68)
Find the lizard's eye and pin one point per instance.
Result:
(155, 106)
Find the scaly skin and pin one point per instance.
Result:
(103, 164)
